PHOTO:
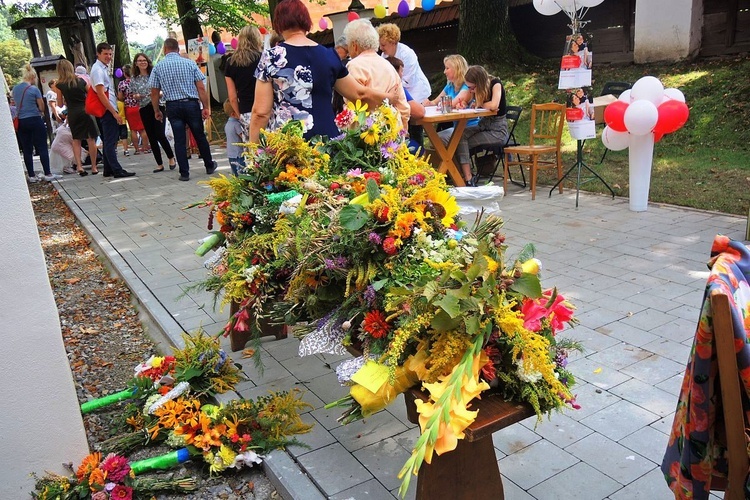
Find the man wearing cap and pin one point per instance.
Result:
(181, 82)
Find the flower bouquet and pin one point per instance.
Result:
(109, 478)
(366, 253)
(201, 367)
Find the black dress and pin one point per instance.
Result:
(82, 126)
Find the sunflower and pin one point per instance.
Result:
(371, 135)
(357, 107)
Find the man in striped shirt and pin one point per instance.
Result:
(181, 82)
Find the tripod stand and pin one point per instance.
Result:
(579, 164)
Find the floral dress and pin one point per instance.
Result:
(303, 79)
(694, 452)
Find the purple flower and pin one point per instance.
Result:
(329, 264)
(370, 295)
(342, 261)
(375, 238)
(388, 150)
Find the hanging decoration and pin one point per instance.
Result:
(403, 8)
(323, 23)
(428, 5)
(352, 16)
(234, 43)
(380, 11)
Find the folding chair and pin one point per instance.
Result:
(512, 115)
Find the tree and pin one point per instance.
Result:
(114, 26)
(485, 34)
(13, 55)
(226, 15)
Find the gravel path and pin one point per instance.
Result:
(105, 340)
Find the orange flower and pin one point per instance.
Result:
(97, 479)
(89, 463)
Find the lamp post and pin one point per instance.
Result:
(340, 19)
(87, 12)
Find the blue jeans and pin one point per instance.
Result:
(110, 135)
(185, 114)
(237, 164)
(32, 134)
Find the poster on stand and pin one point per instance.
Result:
(576, 63)
(579, 114)
(197, 50)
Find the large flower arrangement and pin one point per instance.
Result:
(357, 242)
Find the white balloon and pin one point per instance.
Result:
(640, 117)
(569, 5)
(625, 96)
(614, 140)
(675, 94)
(648, 88)
(589, 3)
(546, 7)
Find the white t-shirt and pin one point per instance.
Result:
(414, 79)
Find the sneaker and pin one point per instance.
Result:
(69, 170)
(127, 153)
(34, 179)
(213, 168)
(184, 177)
(52, 177)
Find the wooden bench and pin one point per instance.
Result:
(470, 472)
(237, 340)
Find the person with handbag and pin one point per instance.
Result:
(102, 103)
(29, 125)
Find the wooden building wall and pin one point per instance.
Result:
(726, 27)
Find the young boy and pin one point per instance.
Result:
(124, 129)
(233, 131)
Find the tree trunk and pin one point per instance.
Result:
(485, 34)
(66, 8)
(191, 25)
(114, 27)
(271, 7)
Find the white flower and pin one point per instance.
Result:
(247, 458)
(527, 376)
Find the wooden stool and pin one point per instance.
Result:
(238, 340)
(470, 472)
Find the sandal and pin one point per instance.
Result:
(172, 166)
(160, 169)
(94, 172)
(83, 173)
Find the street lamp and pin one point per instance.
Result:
(87, 12)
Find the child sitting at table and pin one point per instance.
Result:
(487, 92)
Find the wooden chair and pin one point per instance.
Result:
(734, 420)
(543, 152)
(512, 115)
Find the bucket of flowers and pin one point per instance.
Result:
(376, 261)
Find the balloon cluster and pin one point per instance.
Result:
(552, 7)
(647, 107)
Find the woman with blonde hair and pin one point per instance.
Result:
(82, 126)
(240, 72)
(31, 133)
(455, 69)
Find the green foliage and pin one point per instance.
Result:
(13, 55)
(225, 15)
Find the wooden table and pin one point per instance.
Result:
(430, 121)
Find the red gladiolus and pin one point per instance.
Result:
(242, 317)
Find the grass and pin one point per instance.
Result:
(705, 165)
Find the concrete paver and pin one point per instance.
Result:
(637, 280)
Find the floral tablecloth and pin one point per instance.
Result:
(695, 451)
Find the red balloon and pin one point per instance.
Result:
(672, 115)
(352, 16)
(657, 136)
(614, 116)
(262, 30)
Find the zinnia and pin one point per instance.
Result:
(375, 324)
(122, 492)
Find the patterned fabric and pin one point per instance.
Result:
(128, 93)
(695, 451)
(139, 85)
(303, 80)
(176, 77)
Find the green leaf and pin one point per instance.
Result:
(431, 289)
(473, 272)
(373, 191)
(449, 304)
(189, 373)
(527, 252)
(472, 325)
(458, 275)
(444, 323)
(462, 293)
(377, 285)
(353, 217)
(528, 285)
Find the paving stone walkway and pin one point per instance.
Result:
(636, 279)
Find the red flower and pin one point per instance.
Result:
(389, 246)
(122, 492)
(382, 214)
(373, 175)
(242, 317)
(375, 324)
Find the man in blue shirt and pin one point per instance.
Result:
(181, 82)
(109, 123)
